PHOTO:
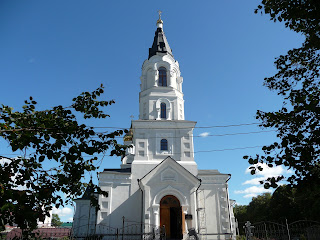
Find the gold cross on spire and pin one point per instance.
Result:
(159, 20)
(159, 14)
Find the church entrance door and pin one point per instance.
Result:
(171, 216)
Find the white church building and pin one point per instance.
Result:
(159, 186)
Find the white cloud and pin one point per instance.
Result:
(252, 191)
(62, 212)
(270, 172)
(250, 195)
(204, 134)
(254, 181)
(267, 172)
(65, 214)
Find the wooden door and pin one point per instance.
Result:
(165, 219)
(171, 216)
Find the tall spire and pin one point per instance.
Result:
(160, 43)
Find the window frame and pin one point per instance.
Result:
(162, 77)
(163, 144)
(163, 110)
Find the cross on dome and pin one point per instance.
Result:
(159, 21)
(159, 15)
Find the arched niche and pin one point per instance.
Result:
(168, 108)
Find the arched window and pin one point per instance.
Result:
(162, 77)
(163, 108)
(164, 145)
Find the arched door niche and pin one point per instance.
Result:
(171, 216)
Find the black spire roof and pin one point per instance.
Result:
(160, 44)
(89, 191)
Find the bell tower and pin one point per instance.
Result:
(161, 130)
(161, 96)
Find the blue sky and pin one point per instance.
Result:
(54, 50)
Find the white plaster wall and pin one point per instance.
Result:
(217, 211)
(122, 200)
(148, 134)
(84, 219)
(148, 99)
(139, 169)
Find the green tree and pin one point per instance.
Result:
(286, 202)
(297, 81)
(307, 197)
(56, 220)
(283, 205)
(259, 208)
(241, 213)
(29, 186)
(295, 203)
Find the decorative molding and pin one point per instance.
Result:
(179, 79)
(156, 208)
(171, 191)
(213, 179)
(168, 175)
(185, 209)
(110, 179)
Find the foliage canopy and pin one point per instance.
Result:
(57, 150)
(286, 202)
(297, 81)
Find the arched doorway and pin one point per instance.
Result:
(171, 216)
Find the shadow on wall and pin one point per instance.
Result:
(130, 209)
